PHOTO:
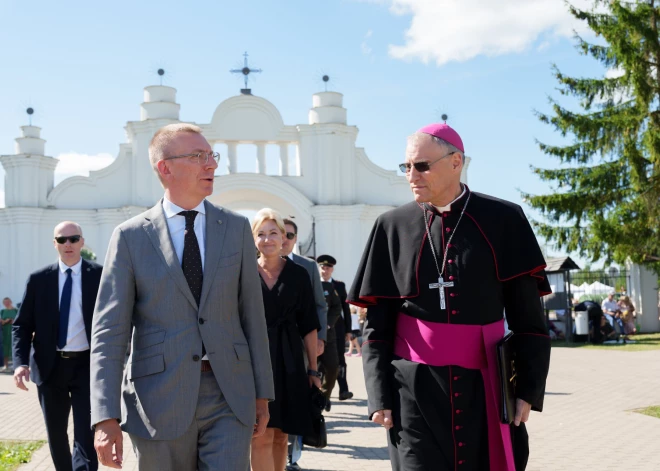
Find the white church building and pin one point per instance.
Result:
(313, 172)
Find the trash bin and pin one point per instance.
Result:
(581, 323)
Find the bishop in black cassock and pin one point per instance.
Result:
(438, 276)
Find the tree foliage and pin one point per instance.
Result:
(87, 254)
(606, 195)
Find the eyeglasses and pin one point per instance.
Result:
(73, 239)
(290, 235)
(198, 157)
(420, 166)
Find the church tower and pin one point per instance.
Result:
(29, 174)
(331, 142)
(158, 109)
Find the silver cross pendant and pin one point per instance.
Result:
(441, 285)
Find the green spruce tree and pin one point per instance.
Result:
(605, 202)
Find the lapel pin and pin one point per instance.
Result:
(219, 221)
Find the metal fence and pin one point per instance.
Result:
(590, 284)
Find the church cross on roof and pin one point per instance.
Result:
(246, 71)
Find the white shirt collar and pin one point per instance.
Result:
(75, 269)
(290, 256)
(448, 207)
(172, 209)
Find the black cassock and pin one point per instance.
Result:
(496, 267)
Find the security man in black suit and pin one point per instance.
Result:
(55, 321)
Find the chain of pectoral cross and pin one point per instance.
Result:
(441, 285)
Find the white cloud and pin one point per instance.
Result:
(443, 31)
(616, 72)
(73, 163)
(366, 49)
(619, 96)
(543, 46)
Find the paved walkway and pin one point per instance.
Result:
(587, 423)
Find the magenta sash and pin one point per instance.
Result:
(468, 346)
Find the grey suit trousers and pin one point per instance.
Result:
(215, 441)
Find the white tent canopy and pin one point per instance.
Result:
(599, 288)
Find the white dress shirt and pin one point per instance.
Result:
(177, 226)
(76, 339)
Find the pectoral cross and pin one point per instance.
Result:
(441, 285)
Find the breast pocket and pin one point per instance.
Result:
(149, 339)
(229, 260)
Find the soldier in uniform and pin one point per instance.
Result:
(335, 297)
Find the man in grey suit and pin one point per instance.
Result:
(289, 243)
(181, 289)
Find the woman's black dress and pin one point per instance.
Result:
(290, 315)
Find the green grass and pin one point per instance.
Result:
(643, 342)
(653, 411)
(14, 454)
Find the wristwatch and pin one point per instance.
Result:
(313, 373)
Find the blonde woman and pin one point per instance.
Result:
(290, 316)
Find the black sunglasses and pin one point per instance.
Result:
(420, 166)
(73, 239)
(290, 235)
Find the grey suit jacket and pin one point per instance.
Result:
(144, 300)
(319, 298)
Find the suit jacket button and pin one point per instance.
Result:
(195, 357)
(201, 321)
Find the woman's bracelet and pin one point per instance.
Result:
(313, 373)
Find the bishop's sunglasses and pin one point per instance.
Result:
(290, 235)
(421, 166)
(73, 239)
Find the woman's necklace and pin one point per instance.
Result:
(442, 284)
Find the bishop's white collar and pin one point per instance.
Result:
(442, 209)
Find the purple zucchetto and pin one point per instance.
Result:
(444, 132)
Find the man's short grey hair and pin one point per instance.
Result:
(449, 148)
(163, 138)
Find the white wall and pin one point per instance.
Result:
(643, 291)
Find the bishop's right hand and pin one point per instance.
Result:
(384, 418)
(107, 435)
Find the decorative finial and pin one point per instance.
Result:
(323, 77)
(444, 117)
(30, 112)
(161, 72)
(246, 70)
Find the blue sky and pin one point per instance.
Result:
(399, 63)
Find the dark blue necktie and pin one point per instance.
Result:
(65, 306)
